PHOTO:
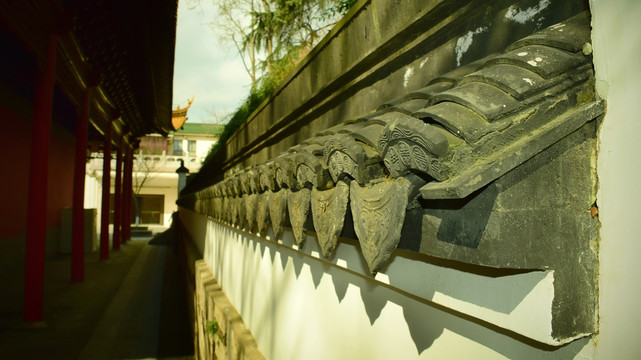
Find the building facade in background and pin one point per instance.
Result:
(154, 178)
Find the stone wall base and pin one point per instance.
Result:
(220, 331)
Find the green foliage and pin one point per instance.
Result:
(212, 327)
(255, 98)
(286, 30)
(340, 7)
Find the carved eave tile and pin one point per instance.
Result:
(225, 214)
(217, 201)
(236, 201)
(238, 219)
(215, 196)
(268, 186)
(379, 212)
(298, 202)
(252, 175)
(329, 208)
(278, 211)
(233, 186)
(267, 177)
(408, 144)
(285, 171)
(249, 180)
(243, 182)
(262, 211)
(342, 156)
(311, 170)
(346, 157)
(201, 201)
(226, 209)
(250, 203)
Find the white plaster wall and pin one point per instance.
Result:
(158, 183)
(617, 59)
(93, 197)
(203, 147)
(299, 306)
(93, 191)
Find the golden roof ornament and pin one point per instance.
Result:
(179, 115)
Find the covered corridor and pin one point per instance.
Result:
(132, 306)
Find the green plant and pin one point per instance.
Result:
(255, 98)
(286, 30)
(212, 327)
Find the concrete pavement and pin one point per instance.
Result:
(132, 306)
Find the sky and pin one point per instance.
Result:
(204, 68)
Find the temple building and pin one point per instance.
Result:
(154, 178)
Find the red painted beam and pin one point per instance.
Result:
(37, 201)
(130, 189)
(78, 206)
(106, 177)
(116, 240)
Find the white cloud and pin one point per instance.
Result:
(212, 74)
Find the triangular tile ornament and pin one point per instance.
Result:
(328, 211)
(278, 211)
(298, 209)
(379, 211)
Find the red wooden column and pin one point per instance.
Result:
(126, 194)
(78, 215)
(37, 202)
(106, 177)
(118, 196)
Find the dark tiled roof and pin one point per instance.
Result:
(131, 43)
(462, 131)
(125, 49)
